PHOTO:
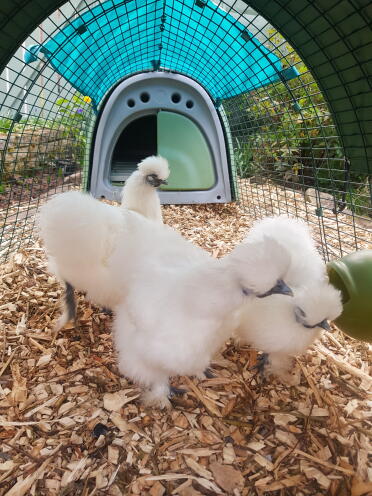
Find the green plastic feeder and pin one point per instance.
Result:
(352, 275)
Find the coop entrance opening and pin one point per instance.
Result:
(170, 135)
(137, 141)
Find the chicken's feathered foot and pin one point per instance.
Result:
(173, 391)
(70, 302)
(69, 309)
(262, 361)
(209, 374)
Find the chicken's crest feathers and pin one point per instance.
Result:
(318, 302)
(154, 165)
(140, 189)
(307, 265)
(260, 264)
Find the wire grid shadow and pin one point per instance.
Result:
(285, 152)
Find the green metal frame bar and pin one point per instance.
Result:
(333, 37)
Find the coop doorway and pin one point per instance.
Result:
(173, 136)
(137, 141)
(170, 115)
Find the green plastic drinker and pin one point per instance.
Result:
(352, 275)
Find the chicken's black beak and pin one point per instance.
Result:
(154, 180)
(324, 325)
(158, 182)
(279, 288)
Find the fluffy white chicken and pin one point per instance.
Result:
(282, 327)
(176, 298)
(140, 190)
(79, 234)
(168, 295)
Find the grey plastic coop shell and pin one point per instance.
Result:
(170, 115)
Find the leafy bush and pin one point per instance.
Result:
(5, 124)
(65, 154)
(285, 132)
(74, 112)
(74, 116)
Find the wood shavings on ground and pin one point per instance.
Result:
(71, 425)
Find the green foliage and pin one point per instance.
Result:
(70, 137)
(5, 124)
(74, 115)
(359, 198)
(285, 132)
(243, 159)
(76, 110)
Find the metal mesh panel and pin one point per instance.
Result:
(44, 131)
(290, 159)
(287, 152)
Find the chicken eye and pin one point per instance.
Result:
(300, 315)
(152, 179)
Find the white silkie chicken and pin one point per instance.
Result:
(284, 327)
(79, 234)
(168, 295)
(140, 190)
(177, 296)
(279, 327)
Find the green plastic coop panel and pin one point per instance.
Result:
(182, 142)
(333, 37)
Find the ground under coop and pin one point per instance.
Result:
(261, 108)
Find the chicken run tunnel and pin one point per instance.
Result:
(261, 107)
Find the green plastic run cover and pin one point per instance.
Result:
(118, 38)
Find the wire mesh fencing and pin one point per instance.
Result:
(44, 130)
(290, 160)
(285, 152)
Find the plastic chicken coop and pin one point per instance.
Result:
(268, 103)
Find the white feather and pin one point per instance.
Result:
(270, 324)
(140, 196)
(79, 234)
(306, 263)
